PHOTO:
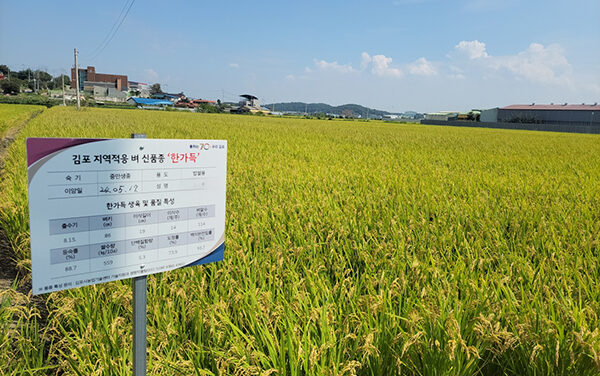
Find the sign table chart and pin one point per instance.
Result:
(103, 210)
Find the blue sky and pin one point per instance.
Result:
(423, 55)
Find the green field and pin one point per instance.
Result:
(352, 247)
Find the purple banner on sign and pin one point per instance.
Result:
(38, 148)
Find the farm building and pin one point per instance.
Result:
(108, 94)
(489, 116)
(149, 102)
(194, 103)
(571, 114)
(169, 96)
(89, 78)
(204, 101)
(444, 116)
(249, 103)
(141, 87)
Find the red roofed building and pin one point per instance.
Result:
(572, 114)
(199, 101)
(552, 106)
(194, 103)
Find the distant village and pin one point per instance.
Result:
(112, 89)
(104, 87)
(117, 88)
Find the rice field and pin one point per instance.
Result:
(352, 248)
(12, 115)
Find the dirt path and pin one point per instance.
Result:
(10, 137)
(8, 268)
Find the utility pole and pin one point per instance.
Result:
(63, 88)
(77, 80)
(305, 108)
(367, 113)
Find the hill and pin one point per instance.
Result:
(313, 108)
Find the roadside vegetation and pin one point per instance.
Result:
(352, 248)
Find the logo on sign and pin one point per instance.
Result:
(204, 146)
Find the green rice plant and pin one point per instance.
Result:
(354, 248)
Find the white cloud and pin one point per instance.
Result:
(365, 61)
(471, 76)
(334, 66)
(380, 65)
(150, 75)
(472, 49)
(234, 65)
(422, 67)
(536, 64)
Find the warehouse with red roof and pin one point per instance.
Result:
(571, 114)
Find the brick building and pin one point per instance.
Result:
(88, 77)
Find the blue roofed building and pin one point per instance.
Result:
(149, 102)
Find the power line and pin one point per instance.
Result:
(111, 29)
(115, 31)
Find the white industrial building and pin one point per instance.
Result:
(443, 116)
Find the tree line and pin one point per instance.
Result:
(15, 82)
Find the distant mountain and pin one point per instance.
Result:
(313, 108)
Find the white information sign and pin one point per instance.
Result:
(107, 209)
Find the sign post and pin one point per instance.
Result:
(138, 285)
(139, 326)
(102, 210)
